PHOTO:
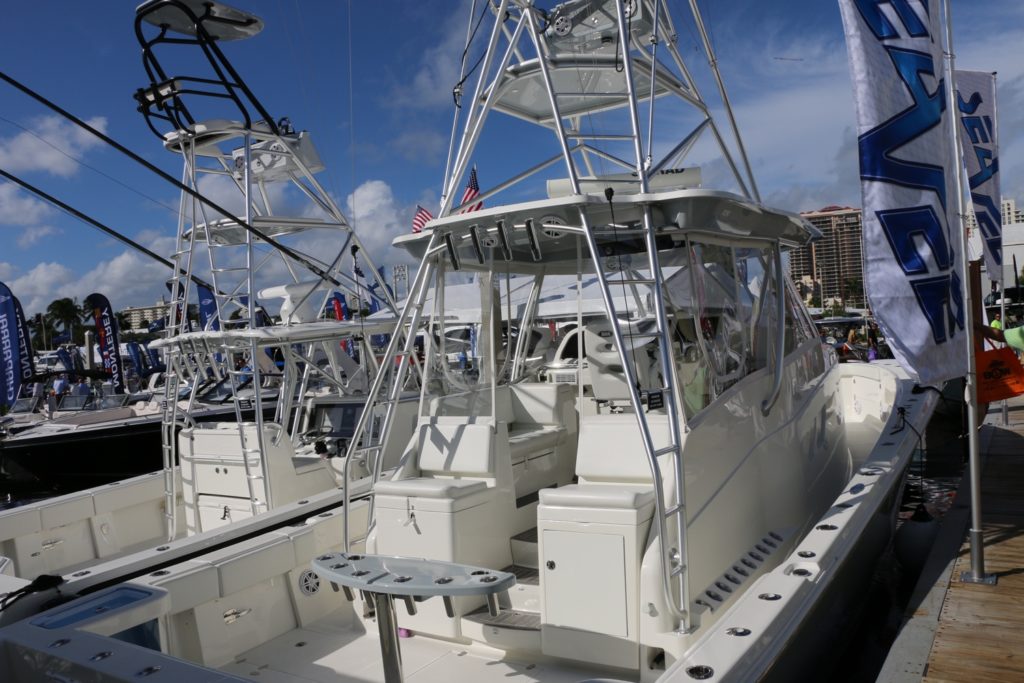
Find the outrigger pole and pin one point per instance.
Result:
(100, 226)
(298, 258)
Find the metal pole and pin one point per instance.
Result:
(976, 574)
(713, 63)
(387, 628)
(1002, 322)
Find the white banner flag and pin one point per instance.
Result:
(912, 265)
(976, 102)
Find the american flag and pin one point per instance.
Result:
(472, 190)
(420, 219)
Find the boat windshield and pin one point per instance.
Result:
(219, 392)
(336, 420)
(113, 401)
(26, 405)
(74, 402)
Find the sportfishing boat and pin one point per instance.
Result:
(253, 415)
(693, 499)
(120, 432)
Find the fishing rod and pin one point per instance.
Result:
(100, 226)
(312, 267)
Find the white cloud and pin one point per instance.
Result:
(50, 146)
(127, 279)
(41, 285)
(34, 233)
(431, 84)
(7, 270)
(130, 278)
(378, 219)
(19, 208)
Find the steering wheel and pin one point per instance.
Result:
(310, 435)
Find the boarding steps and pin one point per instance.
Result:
(517, 625)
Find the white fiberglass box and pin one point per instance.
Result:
(591, 544)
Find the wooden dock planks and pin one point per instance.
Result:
(980, 636)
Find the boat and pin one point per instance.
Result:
(94, 440)
(694, 499)
(26, 412)
(251, 415)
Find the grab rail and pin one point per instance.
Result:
(780, 333)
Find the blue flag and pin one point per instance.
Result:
(137, 360)
(154, 360)
(28, 362)
(106, 337)
(69, 366)
(208, 319)
(376, 285)
(340, 306)
(10, 353)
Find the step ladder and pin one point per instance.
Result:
(670, 500)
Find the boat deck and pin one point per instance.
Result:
(960, 631)
(332, 651)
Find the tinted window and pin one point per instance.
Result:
(337, 420)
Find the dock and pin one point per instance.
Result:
(957, 631)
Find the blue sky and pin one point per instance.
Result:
(372, 82)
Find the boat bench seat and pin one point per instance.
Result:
(533, 412)
(79, 528)
(261, 580)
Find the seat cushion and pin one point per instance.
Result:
(430, 488)
(595, 504)
(620, 497)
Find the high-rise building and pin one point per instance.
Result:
(137, 315)
(1010, 212)
(834, 265)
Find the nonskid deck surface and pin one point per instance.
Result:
(329, 651)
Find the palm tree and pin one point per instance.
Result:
(66, 312)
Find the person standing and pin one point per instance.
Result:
(997, 321)
(1013, 337)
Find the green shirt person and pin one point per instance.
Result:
(1013, 337)
(997, 321)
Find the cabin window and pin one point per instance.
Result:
(733, 304)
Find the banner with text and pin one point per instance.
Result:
(979, 137)
(27, 360)
(106, 338)
(10, 353)
(912, 244)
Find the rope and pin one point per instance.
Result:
(457, 90)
